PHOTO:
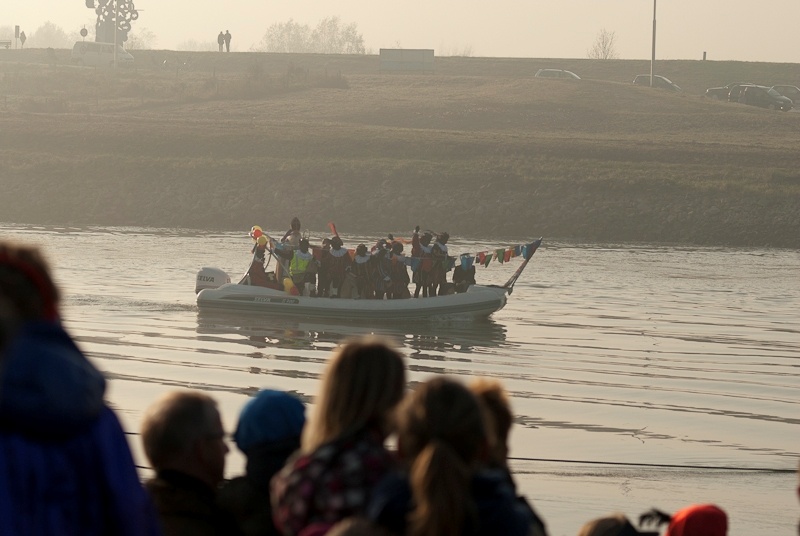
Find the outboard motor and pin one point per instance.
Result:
(210, 278)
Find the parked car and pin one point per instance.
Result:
(661, 82)
(790, 92)
(721, 93)
(736, 92)
(765, 97)
(556, 73)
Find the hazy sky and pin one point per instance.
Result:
(725, 29)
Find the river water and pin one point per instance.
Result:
(640, 375)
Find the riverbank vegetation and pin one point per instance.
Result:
(479, 147)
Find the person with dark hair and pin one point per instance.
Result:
(463, 278)
(221, 40)
(342, 455)
(421, 251)
(337, 262)
(293, 235)
(184, 441)
(227, 41)
(303, 269)
(65, 464)
(382, 270)
(399, 272)
(440, 264)
(302, 266)
(446, 489)
(268, 433)
(362, 267)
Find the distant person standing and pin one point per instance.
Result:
(227, 41)
(220, 40)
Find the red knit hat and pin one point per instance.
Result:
(698, 520)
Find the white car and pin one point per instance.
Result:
(94, 54)
(556, 73)
(661, 82)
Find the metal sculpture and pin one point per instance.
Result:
(113, 15)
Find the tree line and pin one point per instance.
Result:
(329, 36)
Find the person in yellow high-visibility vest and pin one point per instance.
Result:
(303, 269)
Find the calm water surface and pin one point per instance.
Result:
(640, 375)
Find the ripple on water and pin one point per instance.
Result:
(613, 354)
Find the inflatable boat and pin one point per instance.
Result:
(216, 292)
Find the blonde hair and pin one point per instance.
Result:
(174, 422)
(498, 415)
(363, 382)
(441, 433)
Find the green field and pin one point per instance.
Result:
(478, 148)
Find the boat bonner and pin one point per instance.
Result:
(216, 292)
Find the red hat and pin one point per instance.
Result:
(698, 520)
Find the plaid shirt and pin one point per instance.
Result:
(329, 484)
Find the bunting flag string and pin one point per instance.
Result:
(501, 255)
(483, 258)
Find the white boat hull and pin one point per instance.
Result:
(478, 302)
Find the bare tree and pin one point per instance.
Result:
(287, 36)
(330, 36)
(464, 52)
(604, 47)
(49, 35)
(142, 39)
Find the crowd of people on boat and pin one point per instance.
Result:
(66, 467)
(381, 271)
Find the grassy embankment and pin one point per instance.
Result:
(479, 147)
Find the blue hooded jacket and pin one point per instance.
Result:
(65, 464)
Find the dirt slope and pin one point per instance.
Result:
(479, 147)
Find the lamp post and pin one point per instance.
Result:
(116, 25)
(653, 57)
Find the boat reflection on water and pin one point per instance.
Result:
(429, 338)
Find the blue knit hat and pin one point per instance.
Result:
(268, 417)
